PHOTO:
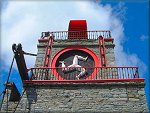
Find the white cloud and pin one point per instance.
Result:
(143, 38)
(23, 21)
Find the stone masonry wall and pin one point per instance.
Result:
(40, 54)
(109, 49)
(93, 45)
(90, 44)
(127, 97)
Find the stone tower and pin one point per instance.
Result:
(75, 71)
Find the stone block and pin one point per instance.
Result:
(83, 104)
(141, 92)
(133, 99)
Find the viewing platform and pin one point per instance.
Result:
(65, 35)
(96, 74)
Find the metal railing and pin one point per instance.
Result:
(64, 35)
(92, 73)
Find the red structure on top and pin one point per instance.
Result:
(77, 29)
(99, 71)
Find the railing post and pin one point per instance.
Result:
(137, 73)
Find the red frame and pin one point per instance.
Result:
(84, 81)
(102, 52)
(43, 40)
(108, 39)
(94, 56)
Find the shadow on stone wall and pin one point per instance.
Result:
(31, 97)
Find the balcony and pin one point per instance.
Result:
(93, 74)
(64, 35)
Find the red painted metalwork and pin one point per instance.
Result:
(102, 52)
(47, 57)
(97, 67)
(83, 81)
(63, 35)
(94, 56)
(108, 39)
(100, 73)
(80, 29)
(43, 40)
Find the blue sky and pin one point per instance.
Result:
(136, 29)
(128, 21)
